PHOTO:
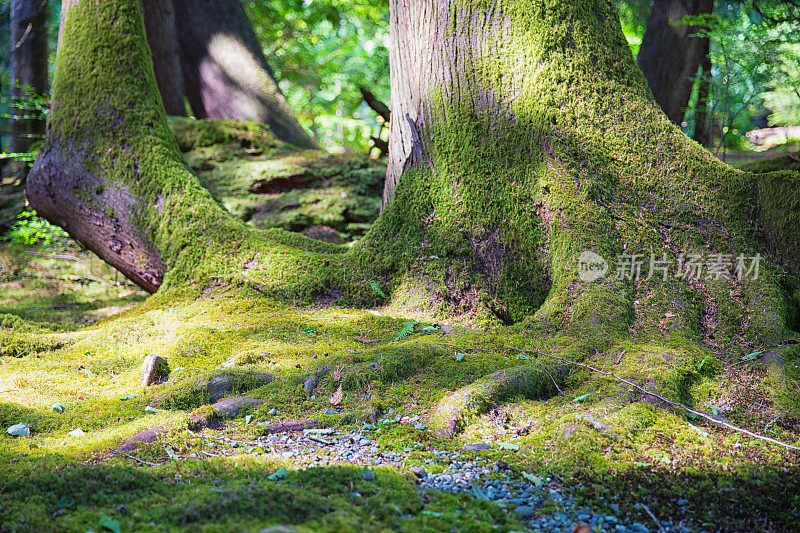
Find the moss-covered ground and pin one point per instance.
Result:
(608, 447)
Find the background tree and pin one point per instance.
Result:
(29, 77)
(671, 53)
(159, 23)
(225, 72)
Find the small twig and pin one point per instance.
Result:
(129, 456)
(621, 355)
(324, 318)
(707, 416)
(649, 512)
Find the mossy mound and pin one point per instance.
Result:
(272, 184)
(774, 163)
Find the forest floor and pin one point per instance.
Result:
(280, 417)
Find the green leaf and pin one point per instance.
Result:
(507, 446)
(319, 431)
(58, 408)
(692, 416)
(150, 409)
(665, 459)
(431, 328)
(698, 430)
(432, 513)
(308, 331)
(110, 524)
(714, 410)
(408, 329)
(64, 502)
(255, 449)
(478, 493)
(280, 474)
(751, 356)
(640, 464)
(523, 357)
(536, 480)
(582, 398)
(460, 356)
(248, 419)
(368, 474)
(129, 397)
(170, 453)
(377, 289)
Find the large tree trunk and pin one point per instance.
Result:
(29, 55)
(671, 53)
(531, 142)
(225, 72)
(159, 24)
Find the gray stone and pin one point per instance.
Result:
(525, 511)
(330, 412)
(154, 370)
(418, 471)
(636, 527)
(477, 446)
(222, 385)
(230, 407)
(143, 437)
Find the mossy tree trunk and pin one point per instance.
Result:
(225, 72)
(529, 138)
(672, 53)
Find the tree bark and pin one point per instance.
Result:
(225, 72)
(159, 24)
(530, 140)
(701, 129)
(670, 54)
(29, 55)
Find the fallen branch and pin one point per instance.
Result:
(711, 418)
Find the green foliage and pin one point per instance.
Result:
(32, 230)
(322, 52)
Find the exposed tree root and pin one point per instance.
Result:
(531, 381)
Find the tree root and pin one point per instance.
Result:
(531, 381)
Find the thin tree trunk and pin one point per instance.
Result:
(670, 54)
(29, 54)
(701, 127)
(225, 72)
(159, 24)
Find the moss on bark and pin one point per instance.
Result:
(536, 144)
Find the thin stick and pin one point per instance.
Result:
(129, 456)
(324, 318)
(647, 509)
(710, 418)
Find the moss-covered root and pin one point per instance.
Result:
(531, 381)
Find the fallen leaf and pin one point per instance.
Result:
(507, 446)
(365, 339)
(109, 523)
(377, 289)
(536, 480)
(582, 398)
(336, 399)
(478, 493)
(460, 356)
(248, 419)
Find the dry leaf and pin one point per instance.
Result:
(336, 399)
